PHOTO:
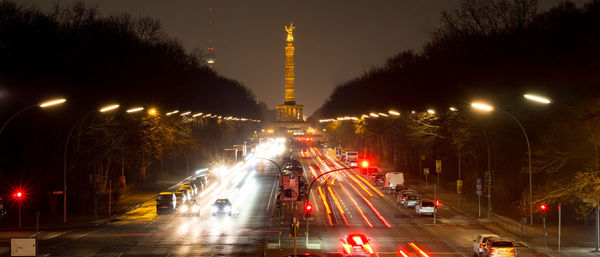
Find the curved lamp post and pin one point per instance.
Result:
(488, 108)
(103, 109)
(45, 104)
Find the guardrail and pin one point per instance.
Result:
(509, 224)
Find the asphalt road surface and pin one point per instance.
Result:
(344, 202)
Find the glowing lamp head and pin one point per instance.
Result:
(543, 207)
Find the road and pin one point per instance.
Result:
(344, 202)
(141, 232)
(348, 203)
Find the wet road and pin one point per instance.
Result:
(250, 188)
(344, 203)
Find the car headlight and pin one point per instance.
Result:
(214, 209)
(227, 208)
(184, 208)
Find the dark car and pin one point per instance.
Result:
(221, 206)
(166, 202)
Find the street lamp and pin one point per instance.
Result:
(135, 109)
(489, 108)
(103, 110)
(395, 113)
(537, 98)
(45, 104)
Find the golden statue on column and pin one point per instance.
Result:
(290, 30)
(289, 111)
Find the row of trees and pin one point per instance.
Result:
(75, 52)
(494, 51)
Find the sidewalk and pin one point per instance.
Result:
(574, 242)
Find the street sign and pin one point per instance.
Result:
(479, 192)
(438, 166)
(426, 171)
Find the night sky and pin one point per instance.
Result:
(335, 40)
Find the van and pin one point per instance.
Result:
(393, 179)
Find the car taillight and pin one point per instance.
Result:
(512, 250)
(347, 248)
(491, 250)
(368, 248)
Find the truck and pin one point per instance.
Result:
(351, 156)
(230, 154)
(241, 150)
(392, 179)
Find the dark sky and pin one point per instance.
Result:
(336, 40)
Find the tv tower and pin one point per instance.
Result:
(210, 56)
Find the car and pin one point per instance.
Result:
(499, 247)
(221, 206)
(189, 189)
(181, 197)
(194, 187)
(403, 194)
(425, 208)
(410, 201)
(356, 245)
(479, 243)
(191, 208)
(166, 202)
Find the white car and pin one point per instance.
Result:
(425, 208)
(479, 243)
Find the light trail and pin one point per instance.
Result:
(401, 252)
(359, 184)
(313, 172)
(372, 208)
(338, 205)
(326, 205)
(413, 245)
(369, 184)
(357, 207)
(206, 191)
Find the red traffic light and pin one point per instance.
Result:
(308, 208)
(438, 203)
(365, 164)
(18, 195)
(543, 207)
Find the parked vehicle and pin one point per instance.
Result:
(392, 179)
(410, 201)
(479, 243)
(425, 208)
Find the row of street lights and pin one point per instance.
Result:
(481, 106)
(105, 109)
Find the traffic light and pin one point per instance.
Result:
(308, 208)
(19, 195)
(365, 164)
(438, 203)
(543, 209)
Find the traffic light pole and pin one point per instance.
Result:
(308, 194)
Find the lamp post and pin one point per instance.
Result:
(45, 104)
(489, 108)
(103, 109)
